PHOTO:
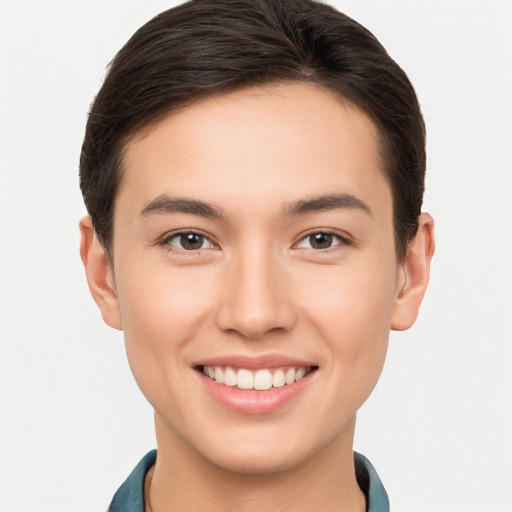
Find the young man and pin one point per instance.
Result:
(254, 173)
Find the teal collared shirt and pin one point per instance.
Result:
(130, 496)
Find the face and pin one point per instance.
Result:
(256, 273)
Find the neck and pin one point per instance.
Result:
(184, 480)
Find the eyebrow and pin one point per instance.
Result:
(327, 203)
(167, 204)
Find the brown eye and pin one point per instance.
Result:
(191, 241)
(188, 241)
(320, 240)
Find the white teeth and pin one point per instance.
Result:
(244, 379)
(260, 380)
(300, 373)
(290, 376)
(278, 379)
(219, 375)
(229, 377)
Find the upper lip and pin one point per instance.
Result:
(255, 362)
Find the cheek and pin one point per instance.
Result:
(352, 311)
(161, 313)
(165, 300)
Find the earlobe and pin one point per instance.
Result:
(99, 274)
(414, 275)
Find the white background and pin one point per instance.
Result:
(73, 424)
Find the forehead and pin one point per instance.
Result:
(262, 143)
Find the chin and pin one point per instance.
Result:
(261, 463)
(260, 454)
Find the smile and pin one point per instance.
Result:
(256, 385)
(259, 380)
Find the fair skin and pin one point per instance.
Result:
(254, 230)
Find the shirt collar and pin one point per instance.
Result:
(371, 485)
(130, 496)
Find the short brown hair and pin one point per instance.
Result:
(207, 47)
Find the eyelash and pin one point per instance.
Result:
(167, 239)
(342, 240)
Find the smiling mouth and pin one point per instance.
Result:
(258, 380)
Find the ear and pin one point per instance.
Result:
(414, 275)
(99, 274)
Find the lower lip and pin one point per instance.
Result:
(252, 401)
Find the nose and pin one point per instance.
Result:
(256, 298)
